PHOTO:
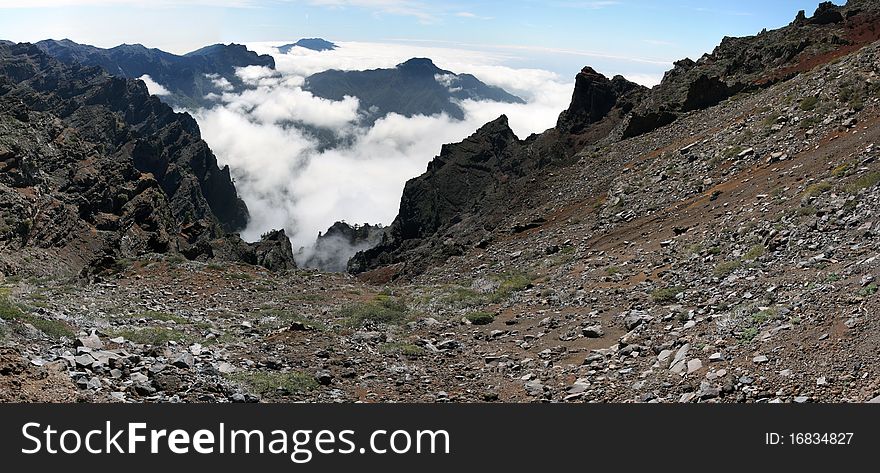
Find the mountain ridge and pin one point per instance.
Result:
(189, 78)
(414, 87)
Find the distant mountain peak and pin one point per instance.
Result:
(414, 87)
(315, 44)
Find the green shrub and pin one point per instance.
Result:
(666, 295)
(481, 318)
(869, 290)
(817, 189)
(160, 316)
(281, 383)
(382, 310)
(749, 334)
(14, 313)
(463, 297)
(151, 335)
(510, 283)
(755, 252)
(809, 103)
(288, 317)
(725, 268)
(864, 182)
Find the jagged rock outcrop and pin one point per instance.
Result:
(468, 188)
(747, 63)
(273, 251)
(594, 97)
(96, 169)
(338, 244)
(189, 79)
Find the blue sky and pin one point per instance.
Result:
(558, 35)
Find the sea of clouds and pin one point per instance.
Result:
(288, 180)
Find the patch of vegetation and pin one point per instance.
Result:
(175, 259)
(510, 283)
(755, 252)
(833, 277)
(770, 120)
(864, 182)
(666, 295)
(809, 103)
(733, 151)
(612, 270)
(381, 310)
(764, 316)
(481, 318)
(868, 290)
(463, 297)
(278, 383)
(160, 316)
(809, 122)
(725, 268)
(288, 317)
(16, 313)
(241, 276)
(151, 335)
(402, 348)
(817, 189)
(806, 211)
(748, 335)
(841, 171)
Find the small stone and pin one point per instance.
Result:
(760, 359)
(694, 366)
(593, 331)
(801, 399)
(184, 361)
(324, 377)
(534, 388)
(715, 357)
(138, 378)
(144, 389)
(823, 381)
(238, 398)
(92, 341)
(84, 360)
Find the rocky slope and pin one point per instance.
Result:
(96, 169)
(189, 78)
(415, 87)
(471, 186)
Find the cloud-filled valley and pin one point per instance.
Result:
(274, 136)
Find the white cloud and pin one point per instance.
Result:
(289, 182)
(154, 87)
(473, 16)
(221, 83)
(420, 10)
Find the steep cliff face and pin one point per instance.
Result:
(338, 244)
(95, 168)
(470, 186)
(754, 62)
